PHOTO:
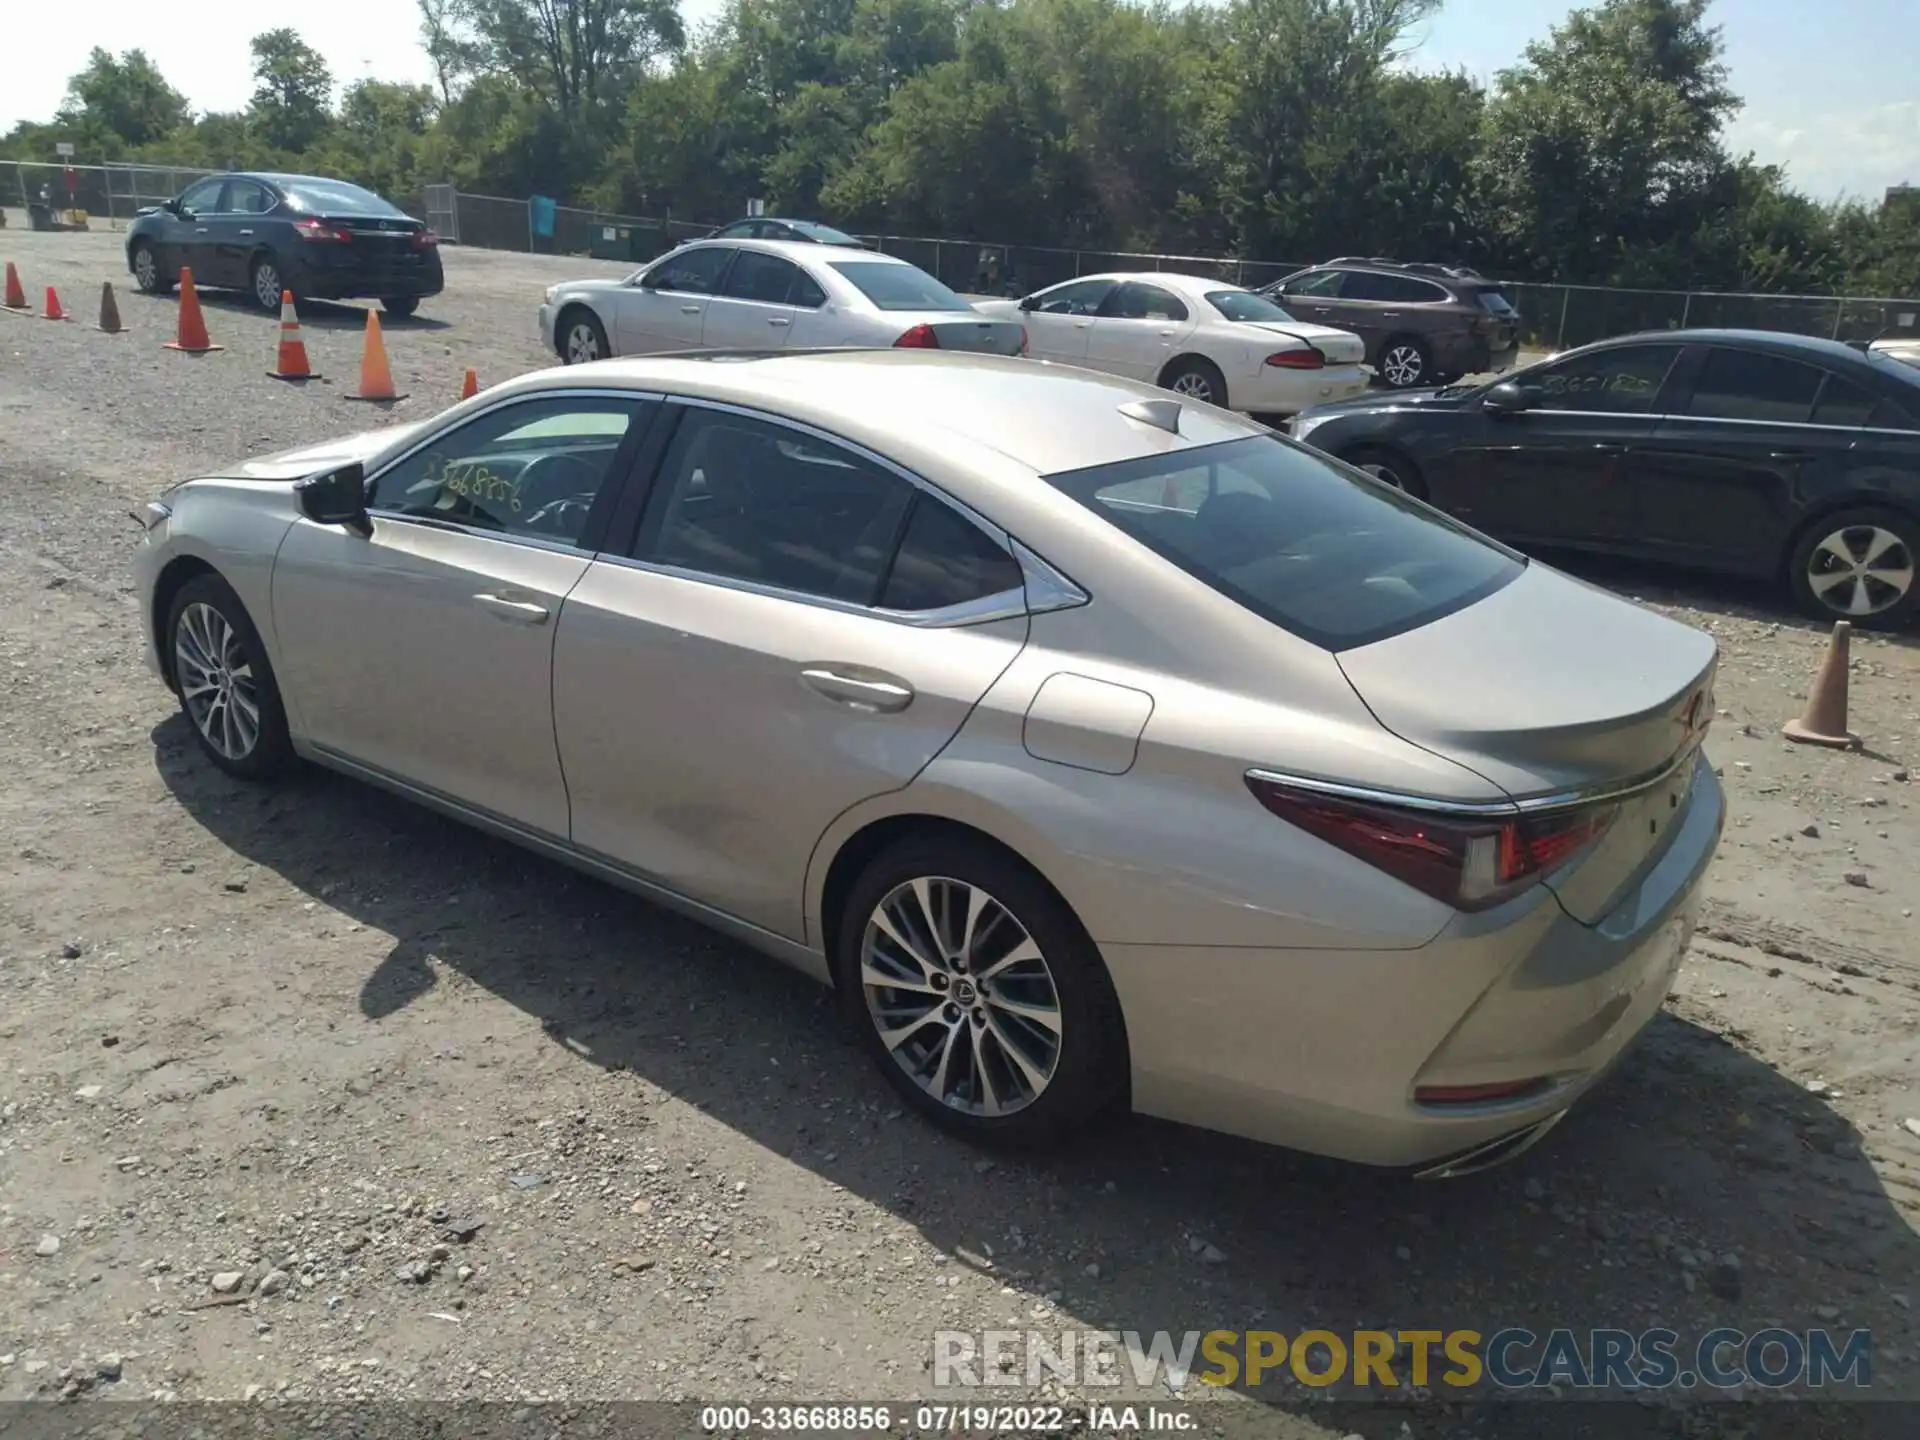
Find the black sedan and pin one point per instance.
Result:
(1745, 452)
(768, 227)
(263, 233)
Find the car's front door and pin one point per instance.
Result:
(1722, 477)
(425, 651)
(754, 308)
(769, 655)
(1138, 329)
(186, 233)
(666, 308)
(1562, 471)
(1059, 321)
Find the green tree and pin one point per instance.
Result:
(576, 54)
(125, 97)
(293, 94)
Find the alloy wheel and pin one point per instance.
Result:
(1194, 385)
(146, 270)
(583, 345)
(1402, 366)
(961, 996)
(1860, 570)
(216, 681)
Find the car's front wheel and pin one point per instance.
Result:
(1858, 565)
(978, 994)
(147, 274)
(582, 338)
(225, 681)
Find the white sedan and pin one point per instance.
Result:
(1212, 341)
(767, 295)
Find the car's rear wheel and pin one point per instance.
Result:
(978, 994)
(1404, 363)
(268, 283)
(1859, 565)
(225, 681)
(147, 274)
(582, 338)
(400, 306)
(1197, 379)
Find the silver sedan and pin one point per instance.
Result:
(1099, 746)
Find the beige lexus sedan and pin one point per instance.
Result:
(1098, 746)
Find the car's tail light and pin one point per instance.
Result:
(1470, 860)
(1307, 359)
(920, 337)
(320, 230)
(425, 239)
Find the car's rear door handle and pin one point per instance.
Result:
(872, 694)
(520, 612)
(1795, 456)
(691, 309)
(202, 230)
(246, 232)
(779, 322)
(1607, 447)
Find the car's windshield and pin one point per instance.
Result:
(894, 286)
(1245, 305)
(1309, 544)
(321, 196)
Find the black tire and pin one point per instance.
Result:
(148, 276)
(580, 319)
(1197, 378)
(271, 752)
(400, 306)
(1853, 531)
(267, 283)
(1405, 363)
(1090, 1066)
(1389, 466)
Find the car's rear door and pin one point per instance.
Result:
(754, 308)
(1562, 471)
(1139, 327)
(769, 651)
(424, 652)
(1724, 475)
(667, 308)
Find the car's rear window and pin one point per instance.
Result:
(1495, 303)
(1244, 305)
(898, 286)
(320, 197)
(1319, 549)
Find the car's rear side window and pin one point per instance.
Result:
(1311, 545)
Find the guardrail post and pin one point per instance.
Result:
(1686, 309)
(1076, 264)
(1839, 314)
(1560, 339)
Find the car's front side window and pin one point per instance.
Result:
(691, 272)
(1076, 297)
(204, 198)
(745, 499)
(533, 469)
(1626, 380)
(1322, 284)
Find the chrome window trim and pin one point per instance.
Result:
(1491, 809)
(1047, 588)
(434, 522)
(1709, 420)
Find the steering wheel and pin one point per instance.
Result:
(551, 472)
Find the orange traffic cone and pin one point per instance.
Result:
(376, 376)
(53, 310)
(470, 386)
(109, 310)
(1824, 721)
(192, 338)
(292, 361)
(16, 292)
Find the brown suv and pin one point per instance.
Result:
(1423, 324)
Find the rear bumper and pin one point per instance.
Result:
(1321, 1050)
(345, 282)
(1270, 390)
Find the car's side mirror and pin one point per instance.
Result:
(1510, 397)
(336, 497)
(1029, 303)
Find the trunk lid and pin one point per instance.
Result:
(976, 333)
(1550, 686)
(1341, 347)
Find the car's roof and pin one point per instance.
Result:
(1046, 418)
(1166, 279)
(1808, 347)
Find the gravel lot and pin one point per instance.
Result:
(440, 1119)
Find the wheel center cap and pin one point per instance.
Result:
(964, 992)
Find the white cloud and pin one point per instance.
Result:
(1857, 152)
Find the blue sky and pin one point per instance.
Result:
(1832, 87)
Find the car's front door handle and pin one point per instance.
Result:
(872, 694)
(690, 309)
(779, 322)
(1607, 447)
(1793, 456)
(520, 612)
(248, 231)
(201, 230)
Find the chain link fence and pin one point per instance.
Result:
(1553, 317)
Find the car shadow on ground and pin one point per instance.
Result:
(1698, 1187)
(319, 314)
